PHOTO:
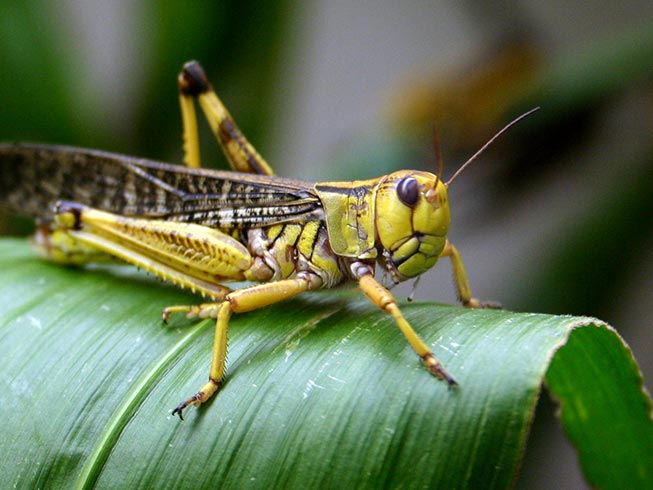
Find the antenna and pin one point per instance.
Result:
(491, 140)
(438, 155)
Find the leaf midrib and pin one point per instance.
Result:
(117, 423)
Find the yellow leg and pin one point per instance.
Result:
(461, 282)
(241, 155)
(239, 301)
(60, 247)
(189, 255)
(223, 313)
(191, 140)
(382, 298)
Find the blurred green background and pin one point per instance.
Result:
(556, 217)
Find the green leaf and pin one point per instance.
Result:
(322, 391)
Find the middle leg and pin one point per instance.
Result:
(239, 301)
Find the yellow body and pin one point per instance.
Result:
(200, 229)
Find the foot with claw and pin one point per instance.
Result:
(476, 303)
(198, 398)
(435, 368)
(206, 310)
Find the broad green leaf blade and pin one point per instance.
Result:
(610, 427)
(321, 390)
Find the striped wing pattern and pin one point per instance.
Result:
(34, 177)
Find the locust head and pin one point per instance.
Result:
(400, 220)
(412, 221)
(412, 215)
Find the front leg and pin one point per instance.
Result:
(382, 298)
(460, 280)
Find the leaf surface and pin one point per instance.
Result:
(322, 391)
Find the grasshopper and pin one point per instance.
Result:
(201, 228)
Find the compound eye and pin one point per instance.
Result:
(408, 191)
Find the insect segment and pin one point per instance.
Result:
(200, 228)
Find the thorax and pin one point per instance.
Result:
(281, 251)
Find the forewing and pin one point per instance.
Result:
(34, 177)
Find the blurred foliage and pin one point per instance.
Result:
(576, 95)
(238, 43)
(42, 77)
(603, 249)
